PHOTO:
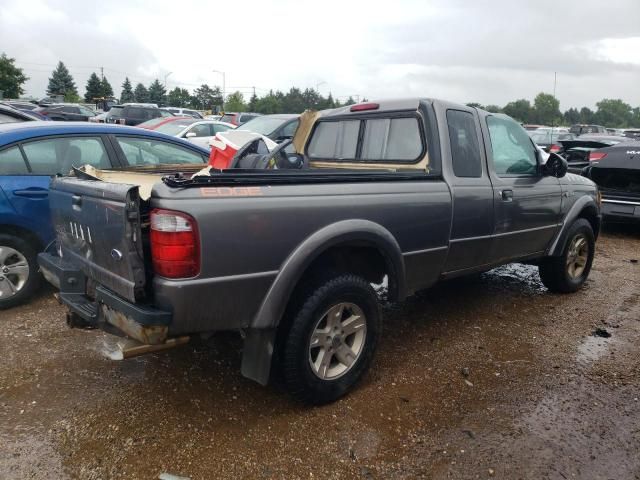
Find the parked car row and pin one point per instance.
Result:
(31, 153)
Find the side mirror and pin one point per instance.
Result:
(190, 135)
(555, 166)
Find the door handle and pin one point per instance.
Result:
(31, 193)
(506, 195)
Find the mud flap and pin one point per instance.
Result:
(257, 354)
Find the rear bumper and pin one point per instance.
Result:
(107, 311)
(621, 209)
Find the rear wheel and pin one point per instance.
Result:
(19, 276)
(331, 340)
(568, 272)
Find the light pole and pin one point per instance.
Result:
(224, 81)
(165, 79)
(319, 84)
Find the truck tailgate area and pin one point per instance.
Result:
(113, 257)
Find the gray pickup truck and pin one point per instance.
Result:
(409, 192)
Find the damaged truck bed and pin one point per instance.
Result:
(407, 191)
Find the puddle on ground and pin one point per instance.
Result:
(592, 348)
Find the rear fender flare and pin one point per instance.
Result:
(343, 232)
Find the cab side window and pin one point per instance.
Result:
(58, 155)
(513, 151)
(463, 138)
(12, 163)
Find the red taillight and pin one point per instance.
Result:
(175, 249)
(595, 156)
(360, 107)
(555, 148)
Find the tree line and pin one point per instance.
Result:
(544, 110)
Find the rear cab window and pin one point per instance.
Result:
(375, 139)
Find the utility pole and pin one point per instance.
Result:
(102, 73)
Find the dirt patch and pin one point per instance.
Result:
(488, 376)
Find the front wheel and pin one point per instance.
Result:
(568, 272)
(331, 340)
(19, 276)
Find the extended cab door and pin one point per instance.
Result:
(471, 190)
(526, 203)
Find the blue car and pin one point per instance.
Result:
(32, 152)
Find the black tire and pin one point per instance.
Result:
(32, 282)
(295, 362)
(554, 271)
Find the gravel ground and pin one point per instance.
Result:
(485, 377)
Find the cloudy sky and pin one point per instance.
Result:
(488, 51)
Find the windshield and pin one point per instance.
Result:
(263, 125)
(114, 112)
(175, 127)
(549, 138)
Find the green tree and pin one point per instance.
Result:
(586, 115)
(475, 105)
(93, 88)
(72, 97)
(207, 98)
(141, 94)
(614, 113)
(11, 78)
(293, 101)
(546, 109)
(253, 103)
(493, 108)
(61, 82)
(127, 94)
(571, 116)
(179, 97)
(105, 88)
(268, 104)
(157, 92)
(635, 119)
(519, 110)
(235, 103)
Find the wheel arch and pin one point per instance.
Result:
(328, 243)
(585, 207)
(24, 233)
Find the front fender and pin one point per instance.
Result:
(585, 202)
(343, 232)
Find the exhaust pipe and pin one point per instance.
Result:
(135, 349)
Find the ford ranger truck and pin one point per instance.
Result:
(286, 250)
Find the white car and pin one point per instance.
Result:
(184, 112)
(192, 129)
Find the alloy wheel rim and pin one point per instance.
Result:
(577, 256)
(14, 272)
(337, 341)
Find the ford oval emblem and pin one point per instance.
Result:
(116, 255)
